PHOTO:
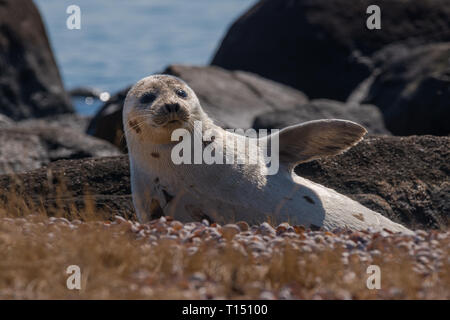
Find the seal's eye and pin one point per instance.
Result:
(182, 93)
(147, 98)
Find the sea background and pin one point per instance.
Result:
(121, 41)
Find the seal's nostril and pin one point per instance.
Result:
(173, 107)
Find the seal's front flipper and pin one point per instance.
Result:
(317, 139)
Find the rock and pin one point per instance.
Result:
(322, 47)
(232, 99)
(5, 122)
(103, 182)
(107, 123)
(367, 115)
(85, 92)
(413, 91)
(33, 146)
(21, 151)
(243, 226)
(229, 231)
(30, 84)
(266, 229)
(73, 121)
(404, 178)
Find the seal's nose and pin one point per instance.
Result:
(172, 107)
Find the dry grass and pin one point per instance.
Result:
(169, 260)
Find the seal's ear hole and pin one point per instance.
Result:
(317, 139)
(147, 98)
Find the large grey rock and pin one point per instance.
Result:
(73, 121)
(99, 186)
(322, 47)
(232, 99)
(404, 178)
(367, 115)
(31, 147)
(5, 122)
(30, 84)
(412, 88)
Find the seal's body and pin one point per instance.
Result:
(158, 105)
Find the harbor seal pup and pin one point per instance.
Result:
(159, 105)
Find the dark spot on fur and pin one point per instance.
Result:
(313, 227)
(359, 216)
(307, 198)
(155, 209)
(168, 197)
(134, 125)
(155, 154)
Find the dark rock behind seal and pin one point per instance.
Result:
(30, 84)
(35, 145)
(322, 47)
(66, 184)
(404, 178)
(367, 115)
(413, 91)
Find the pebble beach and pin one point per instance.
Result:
(167, 259)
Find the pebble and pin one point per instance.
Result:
(243, 226)
(229, 231)
(267, 295)
(266, 229)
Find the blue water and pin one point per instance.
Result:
(122, 41)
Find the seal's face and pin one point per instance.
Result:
(159, 104)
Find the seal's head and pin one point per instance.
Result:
(157, 105)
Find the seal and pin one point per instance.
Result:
(159, 106)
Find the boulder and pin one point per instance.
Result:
(323, 47)
(232, 99)
(404, 178)
(30, 83)
(413, 90)
(107, 123)
(73, 121)
(367, 115)
(33, 146)
(93, 186)
(5, 122)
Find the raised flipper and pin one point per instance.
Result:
(317, 139)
